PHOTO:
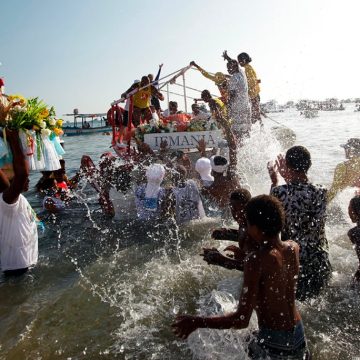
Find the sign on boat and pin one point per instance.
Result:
(183, 140)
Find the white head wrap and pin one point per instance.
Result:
(218, 168)
(203, 167)
(155, 175)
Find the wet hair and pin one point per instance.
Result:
(266, 213)
(298, 158)
(242, 196)
(244, 57)
(355, 205)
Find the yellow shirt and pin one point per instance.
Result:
(220, 81)
(222, 107)
(142, 98)
(346, 174)
(253, 85)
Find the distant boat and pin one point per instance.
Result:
(310, 113)
(97, 124)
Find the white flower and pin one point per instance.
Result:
(45, 133)
(19, 108)
(43, 124)
(52, 122)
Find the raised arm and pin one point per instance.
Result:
(157, 77)
(203, 72)
(21, 169)
(131, 88)
(226, 56)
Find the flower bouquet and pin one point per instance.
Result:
(38, 131)
(153, 127)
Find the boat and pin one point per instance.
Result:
(87, 124)
(310, 113)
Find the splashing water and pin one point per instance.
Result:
(111, 289)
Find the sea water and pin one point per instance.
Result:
(107, 289)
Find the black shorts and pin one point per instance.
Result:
(155, 102)
(125, 118)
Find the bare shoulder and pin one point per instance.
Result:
(291, 250)
(253, 260)
(291, 245)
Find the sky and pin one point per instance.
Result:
(85, 53)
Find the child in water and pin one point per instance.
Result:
(270, 275)
(238, 201)
(354, 233)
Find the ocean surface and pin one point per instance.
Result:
(107, 289)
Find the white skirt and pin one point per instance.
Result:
(51, 157)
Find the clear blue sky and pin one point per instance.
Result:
(85, 53)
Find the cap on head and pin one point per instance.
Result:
(352, 144)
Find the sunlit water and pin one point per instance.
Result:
(105, 289)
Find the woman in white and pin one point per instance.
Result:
(18, 228)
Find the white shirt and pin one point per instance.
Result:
(238, 88)
(18, 235)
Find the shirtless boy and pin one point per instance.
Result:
(269, 288)
(238, 201)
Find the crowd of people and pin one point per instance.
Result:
(281, 245)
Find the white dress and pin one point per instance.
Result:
(18, 235)
(51, 158)
(38, 156)
(239, 103)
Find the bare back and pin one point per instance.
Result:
(277, 286)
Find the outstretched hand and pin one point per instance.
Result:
(272, 173)
(237, 253)
(184, 326)
(193, 63)
(281, 166)
(226, 56)
(212, 256)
